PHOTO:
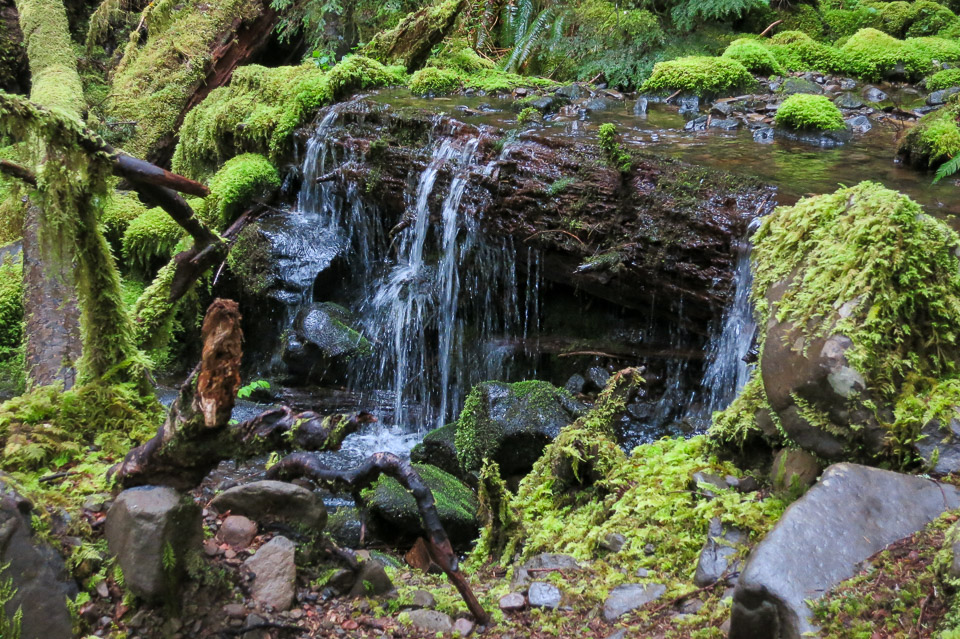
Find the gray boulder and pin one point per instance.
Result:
(39, 577)
(541, 564)
(800, 85)
(274, 574)
(371, 581)
(544, 595)
(793, 471)
(859, 123)
(431, 621)
(940, 447)
(629, 597)
(144, 527)
(719, 552)
(873, 94)
(848, 100)
(439, 448)
(852, 513)
(324, 339)
(270, 501)
(511, 424)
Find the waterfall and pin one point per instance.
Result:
(726, 371)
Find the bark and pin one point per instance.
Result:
(365, 475)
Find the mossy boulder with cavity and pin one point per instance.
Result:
(934, 139)
(858, 294)
(393, 514)
(511, 424)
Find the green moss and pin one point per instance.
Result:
(755, 57)
(944, 80)
(529, 115)
(921, 55)
(701, 75)
(614, 153)
(150, 240)
(249, 259)
(404, 42)
(736, 425)
(935, 138)
(868, 53)
(11, 326)
(262, 107)
(805, 18)
(926, 18)
(456, 503)
(796, 51)
(54, 80)
(155, 79)
(237, 184)
(806, 112)
(119, 209)
(434, 81)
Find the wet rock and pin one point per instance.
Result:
(575, 385)
(41, 583)
(431, 621)
(850, 514)
(940, 97)
(237, 531)
(940, 447)
(613, 542)
(512, 424)
(544, 595)
(748, 484)
(371, 580)
(545, 104)
(859, 123)
(619, 634)
(848, 100)
(542, 564)
(393, 514)
(719, 552)
(597, 378)
(270, 501)
(705, 481)
(794, 470)
(570, 92)
(596, 104)
(729, 124)
(629, 597)
(275, 573)
(145, 524)
(689, 104)
(800, 85)
(235, 611)
(764, 135)
(512, 602)
(463, 627)
(723, 109)
(697, 124)
(846, 84)
(641, 106)
(439, 448)
(423, 599)
(873, 94)
(324, 339)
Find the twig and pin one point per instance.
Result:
(555, 231)
(236, 632)
(675, 94)
(923, 606)
(597, 353)
(767, 30)
(56, 476)
(19, 172)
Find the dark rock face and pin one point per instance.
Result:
(40, 578)
(853, 512)
(145, 524)
(438, 448)
(719, 551)
(265, 501)
(940, 447)
(324, 340)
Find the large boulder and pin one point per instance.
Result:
(40, 582)
(439, 448)
(511, 424)
(852, 513)
(858, 293)
(393, 514)
(323, 341)
(270, 501)
(151, 530)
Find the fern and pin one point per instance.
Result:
(9, 626)
(687, 13)
(522, 49)
(947, 169)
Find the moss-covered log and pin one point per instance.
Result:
(411, 41)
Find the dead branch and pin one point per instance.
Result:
(19, 172)
(309, 465)
(767, 30)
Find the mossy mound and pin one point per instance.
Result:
(237, 184)
(870, 53)
(394, 512)
(434, 81)
(12, 378)
(702, 75)
(119, 210)
(585, 488)
(934, 139)
(755, 57)
(806, 112)
(410, 42)
(150, 240)
(796, 51)
(859, 292)
(944, 80)
(262, 107)
(155, 79)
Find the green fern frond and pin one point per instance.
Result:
(947, 169)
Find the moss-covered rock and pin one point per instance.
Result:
(806, 112)
(755, 57)
(870, 54)
(410, 42)
(439, 448)
(943, 80)
(702, 75)
(796, 51)
(120, 208)
(858, 291)
(927, 18)
(237, 184)
(510, 424)
(393, 512)
(325, 338)
(434, 81)
(150, 240)
(934, 139)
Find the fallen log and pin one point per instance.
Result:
(309, 465)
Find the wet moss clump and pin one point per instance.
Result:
(119, 210)
(944, 80)
(935, 138)
(434, 81)
(796, 51)
(12, 377)
(237, 184)
(701, 75)
(755, 57)
(806, 112)
(150, 240)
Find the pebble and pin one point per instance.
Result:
(235, 611)
(512, 601)
(544, 595)
(423, 599)
(463, 626)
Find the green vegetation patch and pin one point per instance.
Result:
(699, 74)
(755, 57)
(796, 51)
(806, 112)
(935, 138)
(434, 81)
(120, 208)
(12, 377)
(151, 239)
(237, 184)
(944, 80)
(613, 151)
